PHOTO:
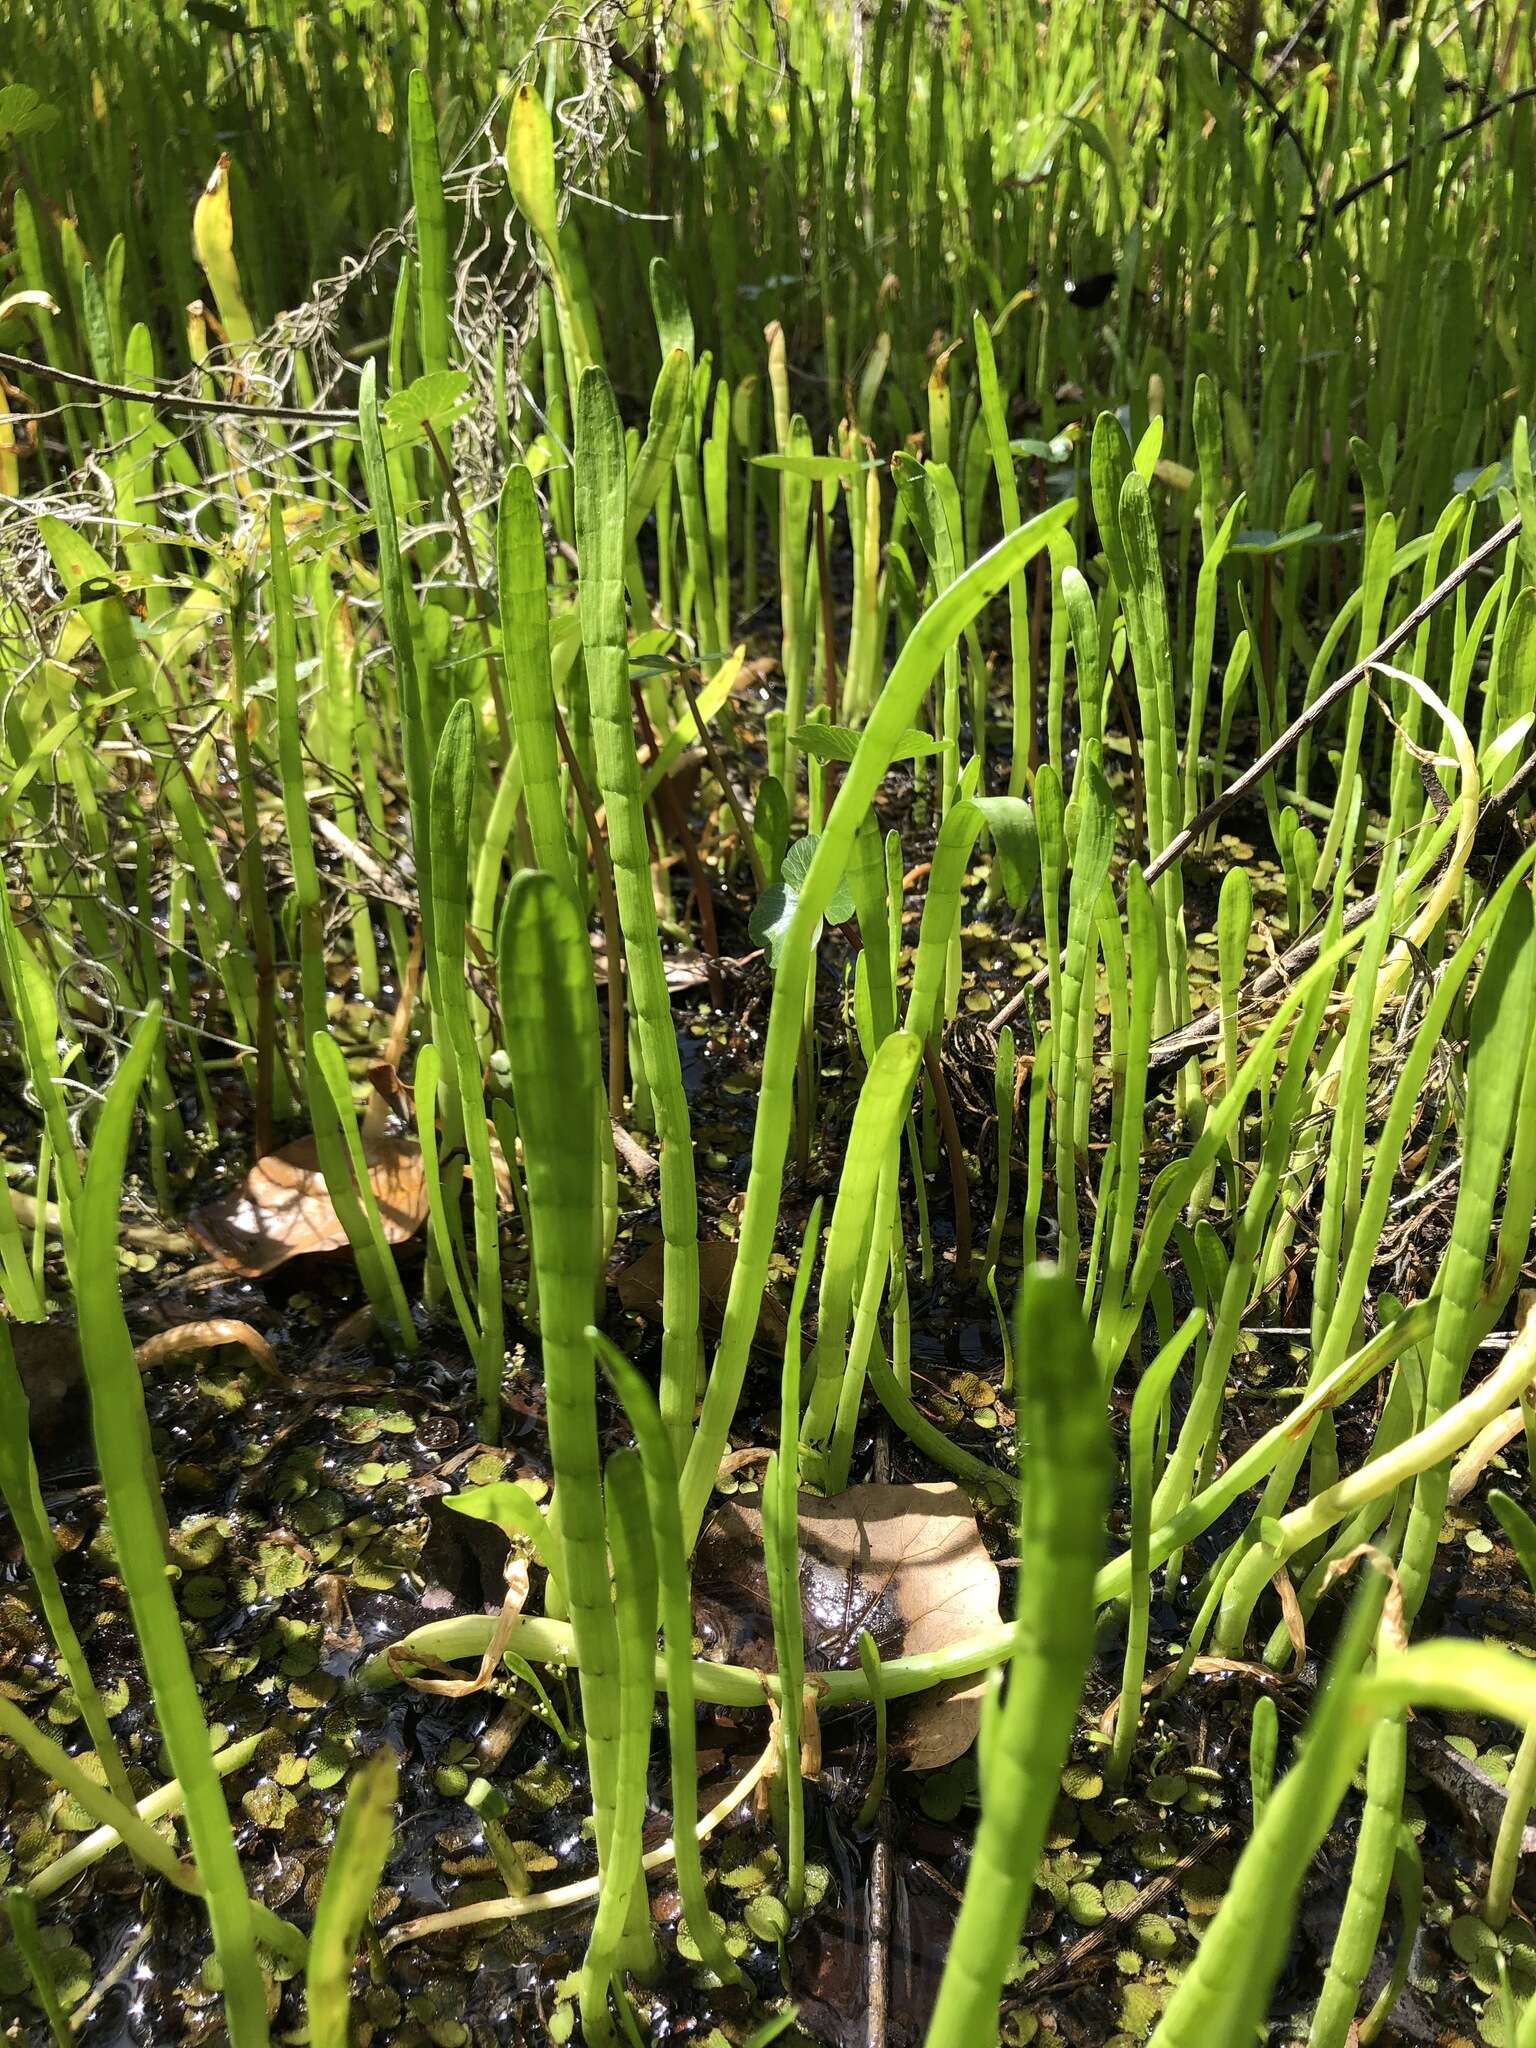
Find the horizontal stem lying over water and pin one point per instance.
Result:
(733, 1685)
(165, 1800)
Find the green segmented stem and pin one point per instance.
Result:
(1234, 927)
(1520, 1791)
(1141, 935)
(670, 401)
(877, 1120)
(1207, 589)
(452, 806)
(20, 1491)
(1034, 1168)
(717, 511)
(1083, 626)
(1263, 1747)
(415, 740)
(523, 593)
(352, 1872)
(994, 420)
(1050, 823)
(428, 1079)
(634, 1578)
(434, 322)
(351, 1191)
(1380, 560)
(1146, 1408)
(35, 1013)
(1497, 1047)
(549, 1021)
(1090, 868)
(600, 497)
(1237, 1285)
(690, 499)
(22, 1914)
(1115, 953)
(884, 1250)
(1012, 825)
(1408, 1879)
(1354, 1944)
(1346, 1140)
(1003, 1070)
(1024, 1741)
(136, 1513)
(792, 438)
(870, 1665)
(290, 724)
(781, 1548)
(660, 1469)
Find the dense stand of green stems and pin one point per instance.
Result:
(1196, 523)
(890, 718)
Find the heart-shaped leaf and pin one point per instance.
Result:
(841, 743)
(778, 903)
(24, 111)
(435, 400)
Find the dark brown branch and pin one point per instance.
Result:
(174, 401)
(1255, 773)
(1401, 163)
(1492, 854)
(1281, 118)
(1251, 776)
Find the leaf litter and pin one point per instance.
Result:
(905, 1561)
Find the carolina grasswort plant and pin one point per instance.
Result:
(768, 1066)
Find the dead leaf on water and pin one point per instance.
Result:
(683, 968)
(640, 1285)
(905, 1562)
(282, 1210)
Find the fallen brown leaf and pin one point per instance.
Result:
(905, 1562)
(683, 969)
(282, 1210)
(640, 1283)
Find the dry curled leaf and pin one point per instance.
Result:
(450, 1683)
(282, 1210)
(905, 1562)
(206, 1335)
